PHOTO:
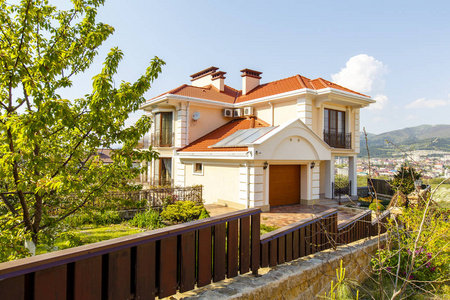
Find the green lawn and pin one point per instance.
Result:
(89, 234)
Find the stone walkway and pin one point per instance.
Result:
(282, 215)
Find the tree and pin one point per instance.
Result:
(48, 144)
(404, 178)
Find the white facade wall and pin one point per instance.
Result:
(219, 182)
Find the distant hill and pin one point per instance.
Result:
(423, 137)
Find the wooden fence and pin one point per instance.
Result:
(298, 239)
(380, 186)
(176, 258)
(361, 226)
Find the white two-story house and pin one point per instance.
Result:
(264, 145)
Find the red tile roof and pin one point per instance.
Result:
(204, 143)
(230, 95)
(208, 93)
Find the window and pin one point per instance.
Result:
(334, 133)
(165, 171)
(163, 129)
(198, 168)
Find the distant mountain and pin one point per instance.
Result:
(423, 137)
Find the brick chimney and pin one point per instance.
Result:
(209, 76)
(250, 80)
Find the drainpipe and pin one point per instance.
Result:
(248, 184)
(271, 109)
(187, 124)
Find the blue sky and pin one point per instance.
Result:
(398, 52)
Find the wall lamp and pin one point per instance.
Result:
(313, 164)
(266, 164)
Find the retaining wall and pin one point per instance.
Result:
(304, 278)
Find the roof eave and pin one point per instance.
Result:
(360, 99)
(214, 154)
(187, 99)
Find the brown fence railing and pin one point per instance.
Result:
(299, 239)
(177, 258)
(361, 226)
(141, 266)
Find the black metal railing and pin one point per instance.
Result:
(338, 139)
(341, 188)
(162, 139)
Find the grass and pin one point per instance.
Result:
(266, 228)
(89, 234)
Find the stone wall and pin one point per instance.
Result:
(304, 278)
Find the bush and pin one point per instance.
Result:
(98, 218)
(430, 248)
(204, 214)
(374, 206)
(182, 211)
(149, 219)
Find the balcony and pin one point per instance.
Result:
(338, 139)
(162, 139)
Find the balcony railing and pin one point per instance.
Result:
(338, 139)
(162, 139)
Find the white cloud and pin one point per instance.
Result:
(428, 103)
(381, 99)
(412, 117)
(362, 73)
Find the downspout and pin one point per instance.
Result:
(248, 184)
(272, 112)
(186, 142)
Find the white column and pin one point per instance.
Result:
(304, 111)
(149, 171)
(352, 174)
(329, 177)
(243, 185)
(256, 180)
(316, 181)
(357, 131)
(181, 129)
(266, 203)
(180, 173)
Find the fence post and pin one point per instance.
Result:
(255, 236)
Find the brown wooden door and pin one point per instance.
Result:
(284, 185)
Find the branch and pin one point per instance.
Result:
(10, 206)
(83, 203)
(23, 33)
(71, 154)
(20, 194)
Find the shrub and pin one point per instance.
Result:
(182, 211)
(204, 214)
(98, 218)
(374, 206)
(149, 219)
(431, 264)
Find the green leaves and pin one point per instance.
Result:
(49, 145)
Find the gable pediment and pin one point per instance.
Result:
(292, 141)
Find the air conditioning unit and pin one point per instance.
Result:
(238, 113)
(248, 111)
(227, 112)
